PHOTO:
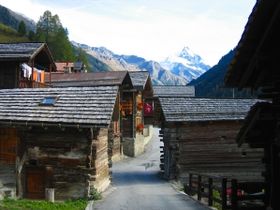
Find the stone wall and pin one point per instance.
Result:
(134, 146)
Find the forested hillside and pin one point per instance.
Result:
(17, 28)
(8, 34)
(211, 83)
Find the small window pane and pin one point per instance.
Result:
(48, 101)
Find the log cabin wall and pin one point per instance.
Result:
(71, 160)
(114, 142)
(209, 148)
(9, 75)
(114, 137)
(8, 147)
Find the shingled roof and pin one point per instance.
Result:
(173, 90)
(256, 55)
(139, 79)
(78, 106)
(19, 51)
(182, 109)
(90, 79)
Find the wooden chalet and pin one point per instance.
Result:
(255, 65)
(64, 67)
(168, 91)
(137, 108)
(112, 78)
(55, 138)
(25, 65)
(199, 137)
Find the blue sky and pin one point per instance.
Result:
(152, 29)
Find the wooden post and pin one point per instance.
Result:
(199, 187)
(32, 73)
(224, 194)
(275, 183)
(234, 199)
(190, 183)
(210, 191)
(50, 75)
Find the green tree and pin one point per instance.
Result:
(50, 30)
(22, 28)
(82, 56)
(31, 36)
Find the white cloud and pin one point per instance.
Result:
(152, 29)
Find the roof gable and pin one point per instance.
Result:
(139, 79)
(185, 109)
(26, 51)
(87, 106)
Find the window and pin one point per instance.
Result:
(49, 101)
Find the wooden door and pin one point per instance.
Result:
(35, 183)
(8, 145)
(127, 126)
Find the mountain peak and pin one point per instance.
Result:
(185, 64)
(187, 53)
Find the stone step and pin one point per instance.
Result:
(7, 192)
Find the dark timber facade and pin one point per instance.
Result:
(199, 137)
(55, 138)
(256, 66)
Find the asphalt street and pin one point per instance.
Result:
(137, 185)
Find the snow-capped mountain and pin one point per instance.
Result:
(185, 64)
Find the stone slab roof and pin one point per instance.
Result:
(85, 106)
(184, 109)
(173, 90)
(19, 51)
(139, 78)
(89, 79)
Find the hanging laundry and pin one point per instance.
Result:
(27, 70)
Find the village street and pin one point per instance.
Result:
(138, 186)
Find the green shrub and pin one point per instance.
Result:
(24, 204)
(94, 194)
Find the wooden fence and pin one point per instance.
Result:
(228, 193)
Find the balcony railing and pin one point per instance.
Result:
(31, 84)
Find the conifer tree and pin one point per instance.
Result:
(50, 30)
(22, 29)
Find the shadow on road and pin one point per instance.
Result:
(137, 177)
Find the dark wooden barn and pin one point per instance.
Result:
(55, 138)
(199, 137)
(25, 65)
(119, 78)
(255, 65)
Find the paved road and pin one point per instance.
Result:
(137, 186)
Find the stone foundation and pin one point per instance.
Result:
(133, 147)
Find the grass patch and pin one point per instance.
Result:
(217, 195)
(8, 35)
(23, 204)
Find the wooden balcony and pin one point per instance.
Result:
(23, 83)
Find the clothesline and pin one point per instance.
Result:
(38, 75)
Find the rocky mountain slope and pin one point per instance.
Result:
(159, 74)
(12, 19)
